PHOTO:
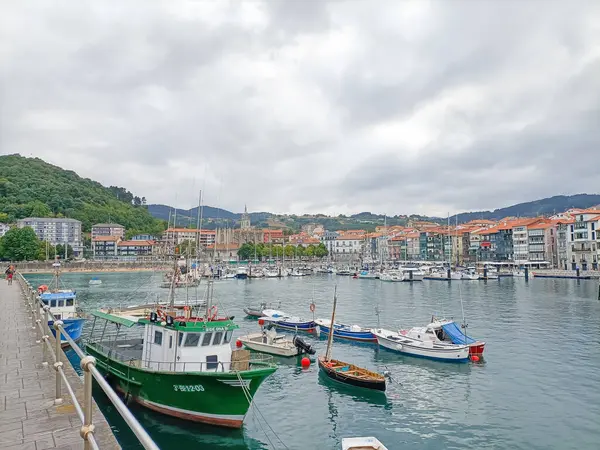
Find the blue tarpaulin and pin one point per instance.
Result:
(456, 335)
(57, 296)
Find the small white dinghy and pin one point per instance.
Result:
(268, 341)
(362, 443)
(95, 281)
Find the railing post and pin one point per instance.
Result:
(45, 335)
(88, 426)
(58, 364)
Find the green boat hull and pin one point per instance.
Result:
(215, 398)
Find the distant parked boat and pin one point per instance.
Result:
(95, 281)
(342, 331)
(282, 320)
(241, 273)
(259, 310)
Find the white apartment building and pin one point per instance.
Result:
(582, 240)
(180, 235)
(108, 229)
(56, 231)
(520, 244)
(347, 245)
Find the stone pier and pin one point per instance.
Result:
(29, 419)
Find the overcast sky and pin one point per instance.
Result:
(309, 106)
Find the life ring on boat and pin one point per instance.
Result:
(42, 288)
(162, 314)
(212, 312)
(312, 307)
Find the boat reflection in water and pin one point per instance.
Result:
(169, 432)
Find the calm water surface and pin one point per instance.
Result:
(539, 387)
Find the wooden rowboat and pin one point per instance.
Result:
(344, 372)
(350, 374)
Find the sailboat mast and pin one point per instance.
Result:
(330, 337)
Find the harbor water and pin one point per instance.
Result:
(537, 388)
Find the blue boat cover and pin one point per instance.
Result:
(456, 335)
(57, 296)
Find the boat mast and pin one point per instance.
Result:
(330, 337)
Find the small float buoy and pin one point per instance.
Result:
(305, 363)
(261, 322)
(238, 343)
(475, 358)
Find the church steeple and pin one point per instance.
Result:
(245, 219)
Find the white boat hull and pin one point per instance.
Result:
(362, 443)
(401, 344)
(280, 346)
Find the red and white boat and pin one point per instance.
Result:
(446, 331)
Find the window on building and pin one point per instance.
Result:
(158, 337)
(572, 228)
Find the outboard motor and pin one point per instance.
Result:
(303, 346)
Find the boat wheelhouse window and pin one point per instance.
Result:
(191, 339)
(430, 331)
(61, 303)
(212, 362)
(57, 316)
(217, 338)
(69, 302)
(170, 341)
(180, 339)
(227, 337)
(206, 340)
(158, 337)
(52, 303)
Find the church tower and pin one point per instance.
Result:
(245, 220)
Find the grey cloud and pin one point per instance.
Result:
(133, 87)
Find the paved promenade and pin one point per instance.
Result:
(28, 418)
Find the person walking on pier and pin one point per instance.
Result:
(9, 273)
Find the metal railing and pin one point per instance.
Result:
(88, 363)
(188, 366)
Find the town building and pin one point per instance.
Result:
(134, 250)
(328, 239)
(108, 229)
(3, 229)
(347, 246)
(582, 240)
(105, 247)
(542, 243)
(181, 235)
(56, 231)
(143, 237)
(224, 252)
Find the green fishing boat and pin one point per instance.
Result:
(176, 361)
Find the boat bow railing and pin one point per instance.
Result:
(53, 350)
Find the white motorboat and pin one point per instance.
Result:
(412, 274)
(518, 273)
(368, 274)
(448, 332)
(455, 275)
(401, 343)
(470, 274)
(271, 272)
(241, 273)
(362, 443)
(391, 275)
(268, 341)
(95, 281)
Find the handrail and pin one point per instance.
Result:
(88, 364)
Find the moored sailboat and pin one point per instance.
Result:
(344, 372)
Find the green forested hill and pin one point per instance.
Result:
(30, 187)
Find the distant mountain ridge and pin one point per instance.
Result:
(545, 206)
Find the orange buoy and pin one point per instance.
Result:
(261, 322)
(305, 363)
(475, 358)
